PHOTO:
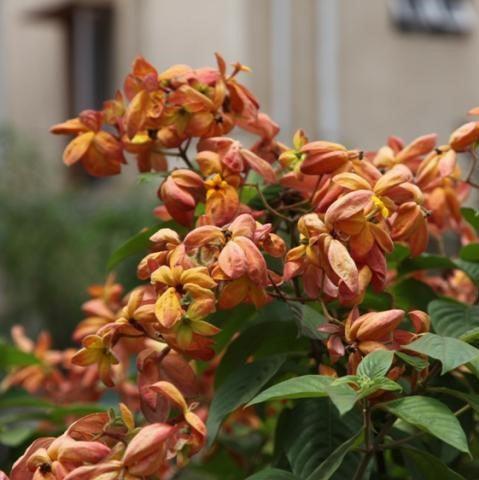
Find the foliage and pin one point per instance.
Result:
(289, 322)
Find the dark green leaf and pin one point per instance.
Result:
(432, 416)
(470, 268)
(399, 253)
(429, 466)
(412, 294)
(308, 320)
(417, 362)
(272, 474)
(453, 319)
(329, 466)
(471, 216)
(376, 364)
(377, 301)
(272, 330)
(310, 386)
(139, 243)
(470, 252)
(308, 435)
(471, 398)
(451, 352)
(238, 389)
(426, 261)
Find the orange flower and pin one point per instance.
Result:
(175, 283)
(180, 193)
(99, 152)
(96, 351)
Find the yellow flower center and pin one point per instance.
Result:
(214, 184)
(380, 206)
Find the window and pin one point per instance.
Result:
(433, 16)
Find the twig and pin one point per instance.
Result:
(370, 449)
(184, 155)
(267, 205)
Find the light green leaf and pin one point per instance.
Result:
(431, 416)
(11, 356)
(376, 364)
(453, 319)
(238, 389)
(368, 388)
(13, 437)
(329, 466)
(429, 466)
(451, 352)
(310, 386)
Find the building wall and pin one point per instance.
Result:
(332, 67)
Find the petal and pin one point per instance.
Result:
(243, 225)
(168, 309)
(259, 165)
(342, 264)
(135, 115)
(168, 390)
(348, 205)
(351, 181)
(77, 148)
(232, 260)
(255, 262)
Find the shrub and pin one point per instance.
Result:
(288, 323)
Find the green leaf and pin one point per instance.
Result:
(310, 386)
(308, 435)
(429, 466)
(308, 319)
(11, 356)
(451, 352)
(431, 416)
(377, 301)
(424, 261)
(270, 193)
(370, 387)
(412, 294)
(471, 216)
(139, 243)
(400, 253)
(272, 474)
(453, 319)
(329, 466)
(471, 398)
(257, 339)
(14, 437)
(151, 177)
(470, 268)
(376, 364)
(238, 389)
(417, 362)
(470, 252)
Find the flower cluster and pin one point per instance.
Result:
(311, 223)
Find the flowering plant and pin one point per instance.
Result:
(288, 322)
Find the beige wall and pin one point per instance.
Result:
(387, 82)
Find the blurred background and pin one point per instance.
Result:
(352, 71)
